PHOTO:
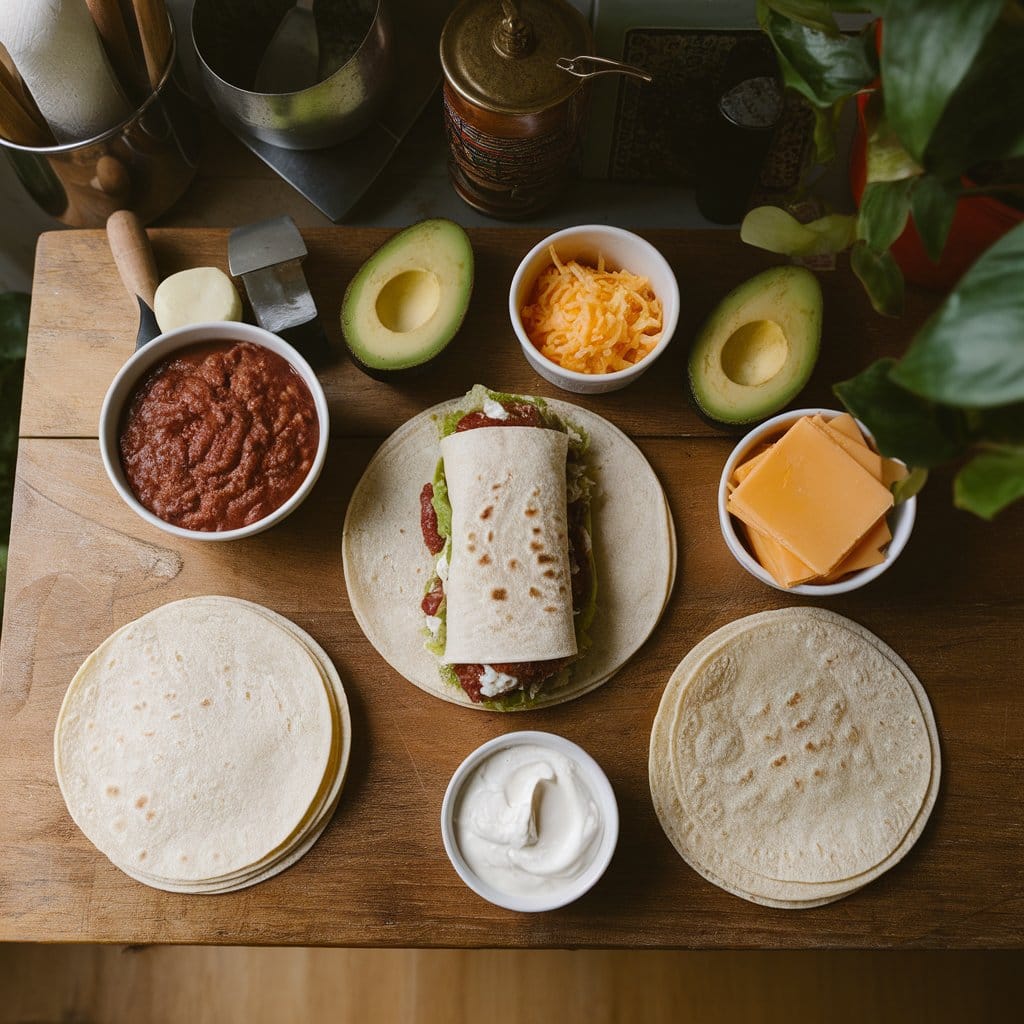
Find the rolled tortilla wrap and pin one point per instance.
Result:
(509, 592)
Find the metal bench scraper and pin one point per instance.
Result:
(268, 257)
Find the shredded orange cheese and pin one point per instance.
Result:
(592, 321)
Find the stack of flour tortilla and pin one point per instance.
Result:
(794, 758)
(203, 747)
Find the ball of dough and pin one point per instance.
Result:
(196, 296)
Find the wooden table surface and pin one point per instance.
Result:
(82, 564)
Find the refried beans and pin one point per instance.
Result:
(218, 436)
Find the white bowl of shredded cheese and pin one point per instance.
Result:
(593, 307)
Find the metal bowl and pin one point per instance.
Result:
(230, 39)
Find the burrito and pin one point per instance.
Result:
(434, 611)
(512, 594)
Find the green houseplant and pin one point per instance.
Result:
(942, 102)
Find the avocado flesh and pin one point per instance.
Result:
(407, 301)
(758, 347)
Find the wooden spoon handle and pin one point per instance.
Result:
(19, 122)
(113, 31)
(133, 255)
(155, 33)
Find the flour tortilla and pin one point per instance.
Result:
(300, 845)
(230, 783)
(703, 848)
(508, 589)
(387, 566)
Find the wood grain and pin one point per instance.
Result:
(81, 564)
(168, 985)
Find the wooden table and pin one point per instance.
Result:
(82, 564)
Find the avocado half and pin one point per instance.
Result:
(407, 301)
(758, 347)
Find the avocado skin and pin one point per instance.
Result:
(409, 236)
(789, 295)
(401, 373)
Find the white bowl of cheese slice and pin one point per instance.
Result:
(594, 245)
(780, 532)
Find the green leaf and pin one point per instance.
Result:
(887, 160)
(884, 209)
(821, 67)
(911, 485)
(990, 482)
(880, 276)
(768, 227)
(983, 118)
(905, 427)
(971, 351)
(826, 127)
(933, 205)
(816, 14)
(927, 49)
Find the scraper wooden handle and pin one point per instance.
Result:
(110, 23)
(133, 255)
(19, 122)
(155, 34)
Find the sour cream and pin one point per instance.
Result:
(527, 823)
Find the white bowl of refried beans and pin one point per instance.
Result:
(214, 431)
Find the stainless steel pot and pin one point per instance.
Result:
(230, 39)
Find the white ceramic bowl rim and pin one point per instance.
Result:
(668, 327)
(600, 789)
(154, 352)
(902, 516)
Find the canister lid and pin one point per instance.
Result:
(500, 54)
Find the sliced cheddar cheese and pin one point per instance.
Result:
(812, 497)
(857, 450)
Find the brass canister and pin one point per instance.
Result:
(512, 116)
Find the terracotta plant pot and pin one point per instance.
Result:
(978, 222)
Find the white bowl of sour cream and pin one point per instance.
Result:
(529, 821)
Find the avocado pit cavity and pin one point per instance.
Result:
(409, 300)
(755, 353)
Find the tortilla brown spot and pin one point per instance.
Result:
(499, 594)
